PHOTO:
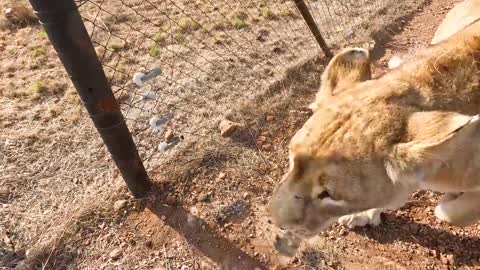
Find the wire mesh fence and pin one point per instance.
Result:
(180, 65)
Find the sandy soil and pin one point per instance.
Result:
(63, 205)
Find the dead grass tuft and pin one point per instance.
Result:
(155, 51)
(17, 15)
(45, 88)
(188, 25)
(238, 19)
(55, 248)
(160, 37)
(286, 12)
(268, 14)
(238, 23)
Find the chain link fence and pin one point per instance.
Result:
(179, 66)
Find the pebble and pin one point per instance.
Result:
(171, 200)
(116, 254)
(202, 197)
(162, 147)
(227, 128)
(137, 79)
(149, 95)
(270, 118)
(149, 243)
(262, 138)
(120, 204)
(168, 136)
(450, 259)
(156, 123)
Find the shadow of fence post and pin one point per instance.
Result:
(68, 35)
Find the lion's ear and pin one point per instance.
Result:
(432, 139)
(297, 164)
(349, 66)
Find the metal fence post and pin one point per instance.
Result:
(302, 7)
(66, 31)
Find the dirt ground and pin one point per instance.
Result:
(64, 206)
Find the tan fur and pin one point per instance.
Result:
(348, 67)
(370, 146)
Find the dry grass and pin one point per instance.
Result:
(59, 184)
(17, 14)
(188, 25)
(267, 13)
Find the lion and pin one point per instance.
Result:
(368, 147)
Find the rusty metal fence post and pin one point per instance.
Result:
(302, 7)
(68, 35)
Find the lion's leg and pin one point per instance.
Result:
(464, 210)
(372, 216)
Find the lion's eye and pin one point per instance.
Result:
(324, 194)
(298, 197)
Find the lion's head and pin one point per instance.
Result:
(378, 138)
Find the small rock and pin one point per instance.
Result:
(447, 259)
(267, 147)
(149, 243)
(116, 254)
(149, 95)
(162, 147)
(119, 205)
(202, 197)
(222, 175)
(137, 79)
(168, 136)
(270, 118)
(246, 195)
(450, 259)
(171, 200)
(227, 128)
(156, 124)
(262, 139)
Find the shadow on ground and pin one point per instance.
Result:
(198, 234)
(464, 248)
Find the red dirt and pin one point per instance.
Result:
(410, 238)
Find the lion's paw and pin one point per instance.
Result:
(369, 217)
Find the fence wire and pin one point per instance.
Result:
(179, 65)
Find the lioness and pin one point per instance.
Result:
(371, 145)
